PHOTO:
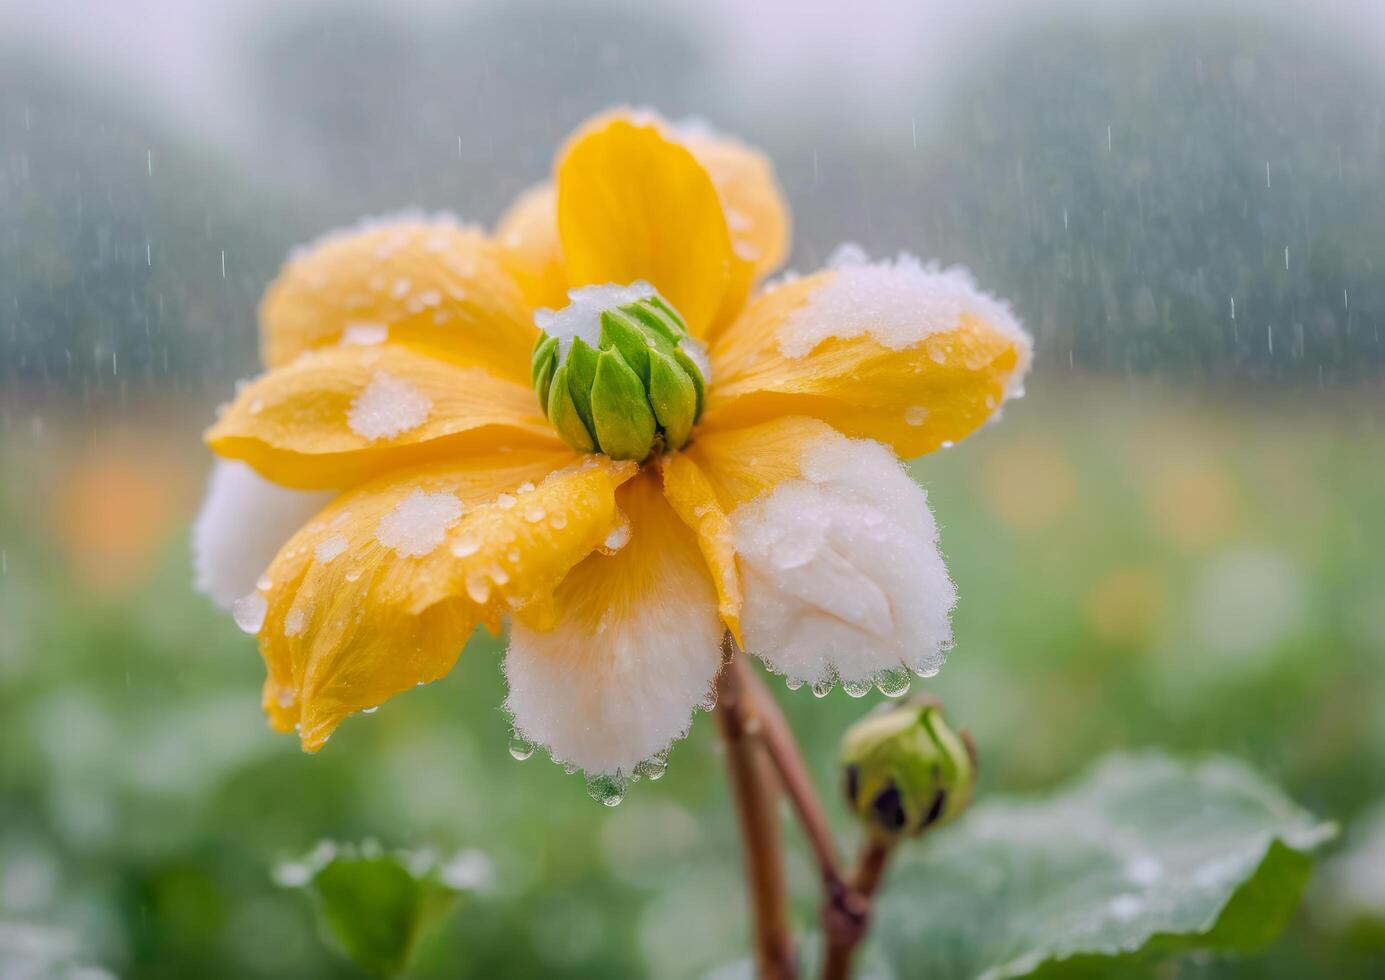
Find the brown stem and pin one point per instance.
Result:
(783, 751)
(846, 919)
(755, 792)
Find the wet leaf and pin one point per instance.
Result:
(376, 905)
(1142, 858)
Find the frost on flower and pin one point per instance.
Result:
(244, 521)
(418, 523)
(897, 302)
(582, 316)
(387, 407)
(841, 569)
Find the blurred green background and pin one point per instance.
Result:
(1174, 540)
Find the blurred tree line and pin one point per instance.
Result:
(1127, 189)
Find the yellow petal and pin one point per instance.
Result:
(742, 464)
(528, 238)
(691, 495)
(632, 648)
(756, 213)
(425, 281)
(336, 416)
(635, 205)
(914, 357)
(381, 590)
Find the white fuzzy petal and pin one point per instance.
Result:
(244, 521)
(607, 698)
(841, 570)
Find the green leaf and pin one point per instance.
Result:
(374, 905)
(1142, 858)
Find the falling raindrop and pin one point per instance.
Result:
(520, 748)
(607, 789)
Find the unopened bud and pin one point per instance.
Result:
(629, 385)
(906, 770)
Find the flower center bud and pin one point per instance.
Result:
(617, 372)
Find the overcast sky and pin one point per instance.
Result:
(182, 54)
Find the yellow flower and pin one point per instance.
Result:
(398, 421)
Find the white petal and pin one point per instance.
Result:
(607, 690)
(244, 521)
(840, 569)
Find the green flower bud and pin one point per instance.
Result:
(906, 770)
(632, 392)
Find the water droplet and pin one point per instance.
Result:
(499, 575)
(857, 689)
(654, 767)
(249, 612)
(557, 521)
(371, 710)
(618, 538)
(534, 513)
(264, 584)
(916, 415)
(947, 444)
(793, 683)
(822, 688)
(893, 682)
(478, 586)
(520, 748)
(286, 697)
(608, 790)
(466, 545)
(505, 501)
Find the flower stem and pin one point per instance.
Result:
(846, 918)
(755, 791)
(783, 751)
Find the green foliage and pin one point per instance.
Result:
(1143, 858)
(375, 906)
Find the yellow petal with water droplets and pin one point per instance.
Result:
(377, 594)
(629, 646)
(916, 371)
(340, 415)
(425, 281)
(695, 501)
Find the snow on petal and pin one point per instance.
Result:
(243, 522)
(842, 577)
(635, 649)
(898, 303)
(418, 523)
(387, 407)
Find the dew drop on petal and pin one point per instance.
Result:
(534, 513)
(249, 612)
(466, 545)
(505, 501)
(371, 710)
(606, 789)
(264, 584)
(557, 521)
(893, 682)
(286, 697)
(857, 689)
(654, 767)
(916, 415)
(478, 586)
(793, 683)
(330, 548)
(520, 748)
(822, 688)
(294, 622)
